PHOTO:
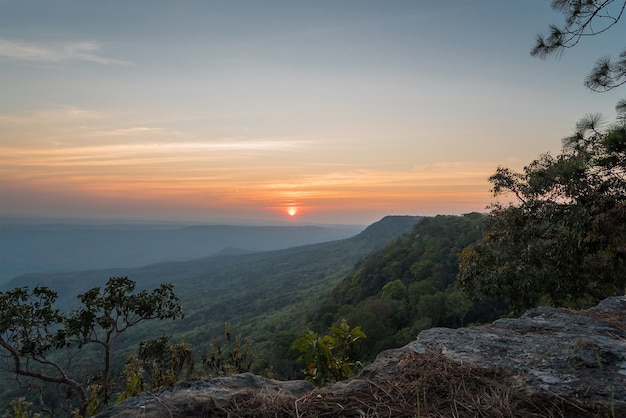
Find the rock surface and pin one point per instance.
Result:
(579, 356)
(202, 397)
(548, 362)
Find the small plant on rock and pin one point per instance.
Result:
(330, 358)
(228, 358)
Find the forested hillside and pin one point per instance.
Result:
(395, 278)
(409, 286)
(264, 296)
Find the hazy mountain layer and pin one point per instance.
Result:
(29, 248)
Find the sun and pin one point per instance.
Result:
(292, 211)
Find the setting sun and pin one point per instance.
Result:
(346, 125)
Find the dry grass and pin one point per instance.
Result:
(424, 386)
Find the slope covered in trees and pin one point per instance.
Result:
(408, 286)
(562, 239)
(264, 296)
(392, 294)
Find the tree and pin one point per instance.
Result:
(562, 239)
(584, 18)
(32, 331)
(328, 358)
(458, 305)
(394, 290)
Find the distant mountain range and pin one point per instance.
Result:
(61, 247)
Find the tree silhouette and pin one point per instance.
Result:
(562, 239)
(585, 18)
(33, 330)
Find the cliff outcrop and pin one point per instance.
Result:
(548, 362)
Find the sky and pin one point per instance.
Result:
(305, 111)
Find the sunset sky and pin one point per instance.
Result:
(223, 111)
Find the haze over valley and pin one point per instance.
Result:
(31, 247)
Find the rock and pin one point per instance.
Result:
(202, 397)
(579, 356)
(548, 362)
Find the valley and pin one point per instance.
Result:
(263, 295)
(29, 246)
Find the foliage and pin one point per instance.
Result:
(584, 18)
(265, 296)
(166, 363)
(408, 286)
(32, 330)
(230, 357)
(562, 240)
(330, 357)
(19, 408)
(282, 362)
(133, 377)
(157, 364)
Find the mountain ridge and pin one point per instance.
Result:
(60, 247)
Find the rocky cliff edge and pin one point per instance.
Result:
(547, 363)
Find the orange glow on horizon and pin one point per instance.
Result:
(159, 183)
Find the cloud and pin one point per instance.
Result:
(438, 175)
(168, 148)
(154, 154)
(59, 113)
(69, 51)
(125, 132)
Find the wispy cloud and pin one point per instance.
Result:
(419, 177)
(125, 132)
(172, 147)
(60, 52)
(136, 154)
(59, 113)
